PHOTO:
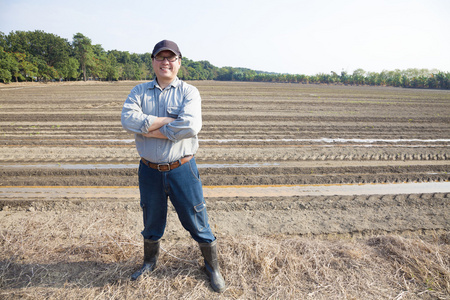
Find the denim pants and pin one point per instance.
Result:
(184, 188)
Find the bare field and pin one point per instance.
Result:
(70, 217)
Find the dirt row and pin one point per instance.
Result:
(232, 153)
(300, 215)
(234, 176)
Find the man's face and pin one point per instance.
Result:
(166, 70)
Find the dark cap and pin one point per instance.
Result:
(166, 45)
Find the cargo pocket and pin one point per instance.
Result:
(201, 217)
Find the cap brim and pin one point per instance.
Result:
(168, 49)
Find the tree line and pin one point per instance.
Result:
(40, 56)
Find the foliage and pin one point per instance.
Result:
(84, 52)
(40, 56)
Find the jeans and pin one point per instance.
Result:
(184, 188)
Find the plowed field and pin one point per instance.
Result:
(254, 135)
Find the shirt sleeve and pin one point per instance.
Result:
(189, 120)
(133, 119)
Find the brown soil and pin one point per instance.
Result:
(280, 133)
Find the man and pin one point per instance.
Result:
(165, 116)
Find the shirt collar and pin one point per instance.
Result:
(175, 83)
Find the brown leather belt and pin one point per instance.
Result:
(164, 167)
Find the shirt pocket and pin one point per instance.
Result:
(173, 111)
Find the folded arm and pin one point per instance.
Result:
(189, 118)
(156, 134)
(134, 120)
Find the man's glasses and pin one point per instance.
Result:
(169, 58)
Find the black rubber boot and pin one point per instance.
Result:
(151, 253)
(209, 252)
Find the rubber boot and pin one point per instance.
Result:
(151, 253)
(209, 252)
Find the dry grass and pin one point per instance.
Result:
(91, 255)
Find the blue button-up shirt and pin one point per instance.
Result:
(178, 100)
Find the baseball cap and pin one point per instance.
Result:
(166, 45)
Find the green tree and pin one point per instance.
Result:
(225, 73)
(2, 40)
(406, 82)
(345, 78)
(432, 82)
(394, 78)
(70, 69)
(147, 66)
(359, 76)
(47, 47)
(373, 78)
(7, 65)
(111, 70)
(131, 71)
(25, 69)
(99, 64)
(84, 52)
(443, 80)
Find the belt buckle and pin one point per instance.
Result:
(166, 164)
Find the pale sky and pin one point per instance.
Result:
(283, 36)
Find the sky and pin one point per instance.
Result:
(283, 36)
